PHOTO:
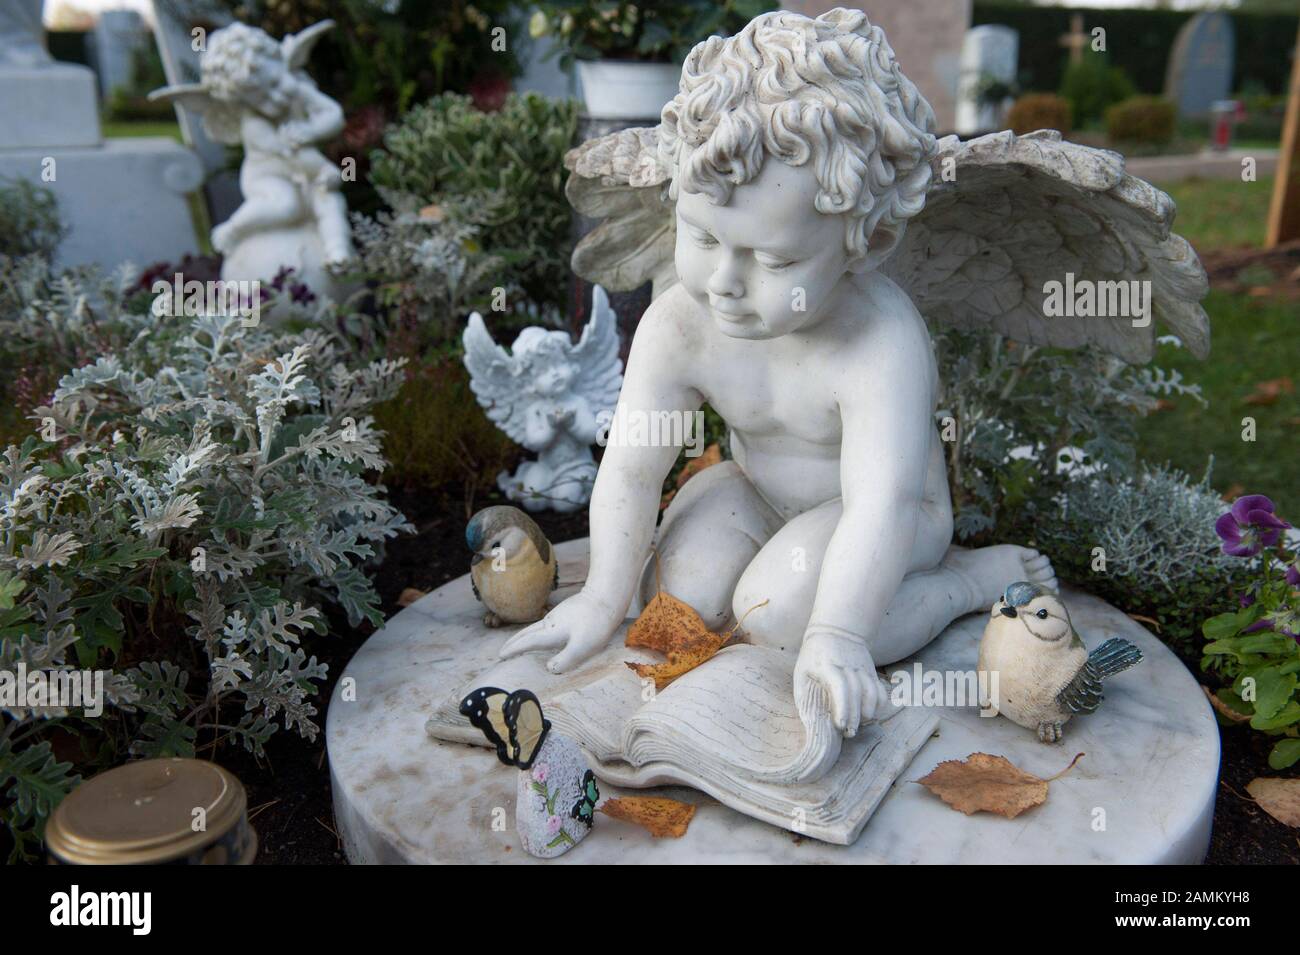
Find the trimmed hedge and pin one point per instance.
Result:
(1039, 111)
(1140, 42)
(1142, 119)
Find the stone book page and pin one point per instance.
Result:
(735, 714)
(729, 728)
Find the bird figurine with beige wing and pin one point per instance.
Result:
(1033, 667)
(513, 570)
(555, 800)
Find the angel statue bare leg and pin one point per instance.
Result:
(727, 553)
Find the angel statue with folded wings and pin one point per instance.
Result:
(802, 224)
(256, 91)
(553, 397)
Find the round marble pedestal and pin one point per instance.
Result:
(1144, 793)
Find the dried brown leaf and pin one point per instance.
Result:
(1280, 798)
(410, 595)
(1223, 709)
(663, 818)
(712, 455)
(984, 783)
(1267, 392)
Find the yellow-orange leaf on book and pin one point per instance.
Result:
(984, 783)
(1280, 798)
(674, 629)
(662, 818)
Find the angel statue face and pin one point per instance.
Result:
(764, 245)
(245, 65)
(547, 356)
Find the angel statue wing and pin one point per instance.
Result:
(296, 47)
(600, 374)
(221, 120)
(496, 379)
(1006, 216)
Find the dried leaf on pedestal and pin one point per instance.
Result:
(1280, 798)
(663, 818)
(984, 783)
(410, 595)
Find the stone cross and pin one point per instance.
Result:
(1076, 39)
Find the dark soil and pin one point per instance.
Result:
(289, 793)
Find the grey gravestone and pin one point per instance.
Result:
(119, 35)
(175, 20)
(989, 55)
(1200, 68)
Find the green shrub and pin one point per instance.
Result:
(1256, 646)
(465, 447)
(29, 219)
(1142, 119)
(1159, 558)
(1092, 85)
(187, 502)
(1039, 111)
(662, 32)
(1043, 404)
(501, 173)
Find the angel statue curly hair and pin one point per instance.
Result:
(826, 91)
(237, 61)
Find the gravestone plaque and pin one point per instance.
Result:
(1200, 67)
(989, 56)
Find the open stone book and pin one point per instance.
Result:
(730, 727)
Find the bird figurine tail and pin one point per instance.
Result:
(1114, 656)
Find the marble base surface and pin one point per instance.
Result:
(1144, 793)
(122, 201)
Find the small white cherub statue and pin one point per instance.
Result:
(553, 397)
(796, 153)
(256, 91)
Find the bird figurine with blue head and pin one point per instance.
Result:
(1033, 667)
(513, 570)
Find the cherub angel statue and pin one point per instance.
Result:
(256, 91)
(554, 398)
(799, 217)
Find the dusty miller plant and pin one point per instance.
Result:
(1046, 404)
(1159, 556)
(187, 503)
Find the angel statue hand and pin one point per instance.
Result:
(578, 627)
(842, 665)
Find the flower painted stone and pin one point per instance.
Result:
(555, 802)
(556, 799)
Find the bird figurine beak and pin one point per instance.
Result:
(1008, 611)
(473, 561)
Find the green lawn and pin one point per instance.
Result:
(1221, 213)
(1253, 340)
(114, 129)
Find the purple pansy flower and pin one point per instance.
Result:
(1293, 574)
(1249, 526)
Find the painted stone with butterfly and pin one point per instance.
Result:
(556, 796)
